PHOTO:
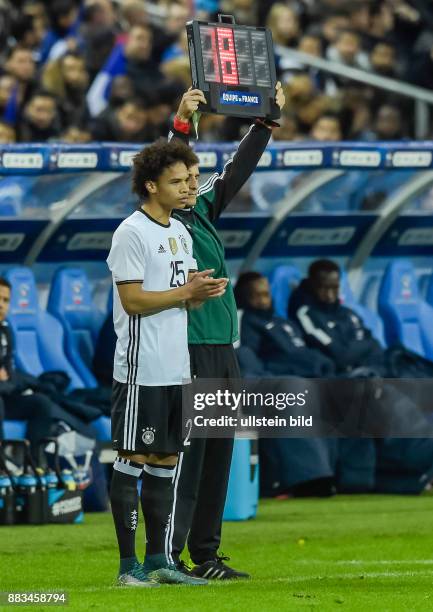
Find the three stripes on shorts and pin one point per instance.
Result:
(131, 413)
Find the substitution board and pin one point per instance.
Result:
(234, 66)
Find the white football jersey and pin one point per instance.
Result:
(151, 350)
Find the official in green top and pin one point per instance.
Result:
(202, 473)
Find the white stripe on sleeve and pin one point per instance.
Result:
(310, 329)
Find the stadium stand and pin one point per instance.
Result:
(90, 77)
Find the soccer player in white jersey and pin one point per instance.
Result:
(155, 280)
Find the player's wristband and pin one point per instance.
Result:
(181, 126)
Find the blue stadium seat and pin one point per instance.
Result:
(12, 193)
(407, 318)
(423, 285)
(429, 290)
(70, 301)
(15, 429)
(243, 487)
(371, 320)
(9, 209)
(370, 290)
(102, 427)
(283, 280)
(38, 335)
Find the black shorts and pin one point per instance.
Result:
(147, 420)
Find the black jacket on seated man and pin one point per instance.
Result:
(334, 329)
(339, 334)
(280, 345)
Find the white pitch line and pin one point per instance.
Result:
(351, 576)
(365, 562)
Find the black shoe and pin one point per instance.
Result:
(181, 566)
(217, 570)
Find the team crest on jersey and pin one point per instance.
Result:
(173, 245)
(149, 433)
(184, 243)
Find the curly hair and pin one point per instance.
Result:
(150, 163)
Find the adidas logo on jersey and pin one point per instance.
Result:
(161, 249)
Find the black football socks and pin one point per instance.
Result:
(124, 506)
(157, 493)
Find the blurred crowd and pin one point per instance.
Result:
(114, 70)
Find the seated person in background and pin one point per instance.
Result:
(340, 334)
(127, 123)
(327, 128)
(271, 346)
(328, 326)
(41, 120)
(276, 342)
(67, 79)
(403, 465)
(305, 466)
(20, 401)
(75, 134)
(7, 133)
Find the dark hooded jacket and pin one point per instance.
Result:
(280, 345)
(336, 331)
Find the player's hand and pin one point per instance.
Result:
(280, 98)
(203, 287)
(189, 103)
(3, 375)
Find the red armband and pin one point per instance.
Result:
(181, 126)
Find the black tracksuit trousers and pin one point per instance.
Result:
(203, 471)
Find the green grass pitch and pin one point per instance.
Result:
(366, 553)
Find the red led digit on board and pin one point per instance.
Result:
(227, 55)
